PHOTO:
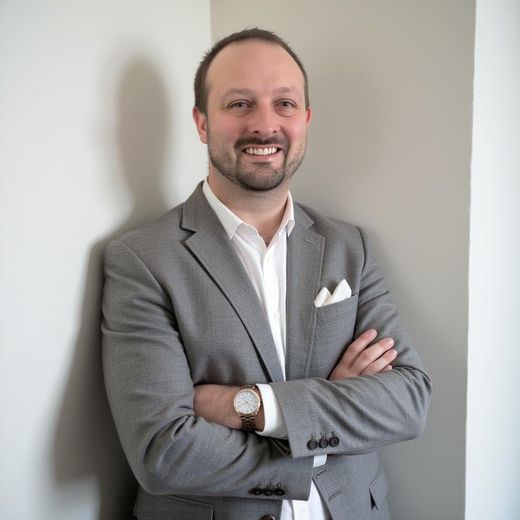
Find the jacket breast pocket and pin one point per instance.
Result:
(333, 333)
(342, 310)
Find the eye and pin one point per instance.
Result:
(238, 105)
(287, 105)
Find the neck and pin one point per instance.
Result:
(263, 210)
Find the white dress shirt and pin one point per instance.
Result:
(266, 268)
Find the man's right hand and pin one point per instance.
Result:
(360, 359)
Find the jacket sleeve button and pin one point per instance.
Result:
(268, 517)
(267, 492)
(256, 491)
(334, 441)
(279, 492)
(324, 442)
(312, 444)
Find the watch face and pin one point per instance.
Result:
(246, 402)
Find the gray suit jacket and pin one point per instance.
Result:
(179, 310)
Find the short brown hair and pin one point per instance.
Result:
(201, 95)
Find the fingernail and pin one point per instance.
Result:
(389, 342)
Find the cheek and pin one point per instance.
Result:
(231, 133)
(225, 128)
(297, 134)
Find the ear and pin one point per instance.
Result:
(201, 123)
(308, 116)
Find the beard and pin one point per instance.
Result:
(254, 177)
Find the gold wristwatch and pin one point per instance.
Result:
(247, 403)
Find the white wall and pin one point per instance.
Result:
(493, 424)
(95, 136)
(389, 148)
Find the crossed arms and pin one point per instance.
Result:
(215, 402)
(164, 422)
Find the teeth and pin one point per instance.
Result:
(261, 151)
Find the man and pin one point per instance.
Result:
(253, 359)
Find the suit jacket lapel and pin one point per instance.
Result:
(304, 265)
(211, 245)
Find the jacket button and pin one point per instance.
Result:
(279, 492)
(312, 444)
(334, 441)
(256, 491)
(267, 492)
(268, 517)
(324, 443)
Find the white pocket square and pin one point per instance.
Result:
(342, 292)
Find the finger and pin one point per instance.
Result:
(341, 372)
(381, 363)
(347, 368)
(357, 346)
(370, 354)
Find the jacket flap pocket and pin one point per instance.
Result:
(169, 507)
(378, 489)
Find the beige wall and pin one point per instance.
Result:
(389, 148)
(95, 136)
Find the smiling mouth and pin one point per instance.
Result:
(261, 151)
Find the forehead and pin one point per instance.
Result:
(255, 65)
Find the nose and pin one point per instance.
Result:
(263, 121)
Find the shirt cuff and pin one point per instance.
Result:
(319, 460)
(274, 424)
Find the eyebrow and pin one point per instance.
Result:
(249, 92)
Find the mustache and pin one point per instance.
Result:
(244, 142)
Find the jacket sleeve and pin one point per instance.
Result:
(367, 412)
(150, 392)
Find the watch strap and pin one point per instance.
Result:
(249, 420)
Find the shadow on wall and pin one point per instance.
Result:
(86, 445)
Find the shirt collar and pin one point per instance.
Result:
(232, 222)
